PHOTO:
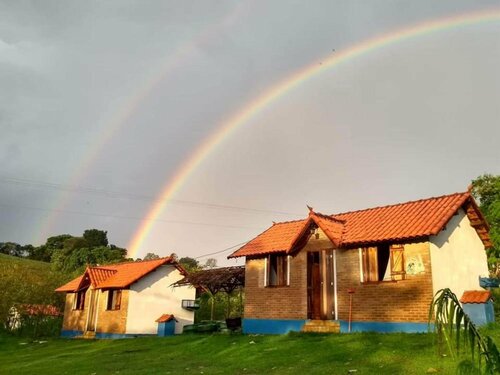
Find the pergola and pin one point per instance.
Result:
(216, 280)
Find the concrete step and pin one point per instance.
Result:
(87, 335)
(321, 326)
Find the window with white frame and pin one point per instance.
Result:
(277, 270)
(114, 299)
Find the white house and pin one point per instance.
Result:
(125, 299)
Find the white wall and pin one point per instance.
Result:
(152, 296)
(458, 256)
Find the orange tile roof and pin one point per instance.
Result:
(278, 238)
(98, 275)
(401, 221)
(413, 220)
(282, 237)
(475, 296)
(120, 275)
(71, 286)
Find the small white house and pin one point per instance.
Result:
(125, 299)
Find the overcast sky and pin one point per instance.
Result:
(101, 102)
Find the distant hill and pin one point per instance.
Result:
(28, 281)
(35, 266)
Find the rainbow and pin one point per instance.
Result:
(174, 60)
(277, 91)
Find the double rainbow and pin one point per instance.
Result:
(277, 91)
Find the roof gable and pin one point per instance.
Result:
(413, 220)
(118, 276)
(285, 237)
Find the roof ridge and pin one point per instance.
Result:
(398, 204)
(286, 222)
(101, 268)
(329, 217)
(137, 261)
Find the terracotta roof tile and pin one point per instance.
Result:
(165, 318)
(402, 221)
(120, 275)
(475, 296)
(71, 286)
(394, 223)
(278, 238)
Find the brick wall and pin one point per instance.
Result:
(74, 320)
(288, 302)
(401, 301)
(285, 302)
(112, 321)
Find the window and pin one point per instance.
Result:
(80, 300)
(277, 272)
(114, 299)
(383, 263)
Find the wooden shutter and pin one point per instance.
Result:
(370, 264)
(281, 270)
(117, 299)
(397, 262)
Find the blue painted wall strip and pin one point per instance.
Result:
(282, 326)
(70, 334)
(385, 327)
(272, 326)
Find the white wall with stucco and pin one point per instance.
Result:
(153, 296)
(458, 256)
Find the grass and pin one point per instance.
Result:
(32, 265)
(368, 353)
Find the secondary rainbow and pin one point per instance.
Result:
(169, 65)
(279, 90)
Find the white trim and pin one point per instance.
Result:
(361, 275)
(335, 283)
(288, 258)
(99, 291)
(88, 308)
(265, 271)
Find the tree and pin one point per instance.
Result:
(486, 189)
(190, 264)
(151, 256)
(96, 237)
(11, 248)
(210, 263)
(90, 249)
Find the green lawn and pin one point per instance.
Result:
(368, 353)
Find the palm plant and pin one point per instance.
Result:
(455, 328)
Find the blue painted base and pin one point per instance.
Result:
(71, 334)
(103, 335)
(275, 326)
(384, 327)
(272, 326)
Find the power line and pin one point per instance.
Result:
(221, 251)
(126, 217)
(131, 196)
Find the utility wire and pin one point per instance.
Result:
(221, 251)
(127, 217)
(131, 196)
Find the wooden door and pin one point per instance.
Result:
(314, 285)
(92, 310)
